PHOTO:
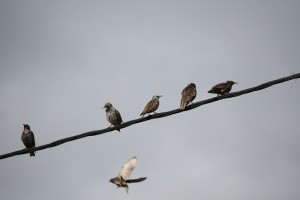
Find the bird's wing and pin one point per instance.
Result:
(188, 89)
(220, 86)
(184, 90)
(127, 168)
(118, 115)
(32, 139)
(150, 107)
(136, 180)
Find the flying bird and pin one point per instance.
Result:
(222, 88)
(28, 138)
(122, 179)
(151, 105)
(188, 94)
(113, 116)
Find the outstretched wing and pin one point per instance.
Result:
(126, 170)
(136, 180)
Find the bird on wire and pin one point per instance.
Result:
(151, 106)
(113, 116)
(222, 88)
(188, 94)
(28, 138)
(122, 179)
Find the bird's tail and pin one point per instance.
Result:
(182, 104)
(32, 153)
(127, 189)
(136, 180)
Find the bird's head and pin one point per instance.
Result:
(26, 126)
(113, 180)
(231, 82)
(191, 85)
(156, 97)
(108, 105)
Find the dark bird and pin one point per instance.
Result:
(28, 138)
(112, 115)
(151, 105)
(188, 94)
(122, 179)
(222, 88)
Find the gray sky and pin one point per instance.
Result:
(61, 61)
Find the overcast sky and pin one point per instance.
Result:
(61, 61)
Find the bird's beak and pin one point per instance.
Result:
(103, 107)
(159, 95)
(236, 83)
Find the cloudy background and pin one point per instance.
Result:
(61, 61)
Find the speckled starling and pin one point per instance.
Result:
(222, 88)
(113, 116)
(151, 105)
(188, 94)
(28, 138)
(122, 179)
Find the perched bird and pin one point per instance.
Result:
(28, 138)
(122, 179)
(151, 105)
(188, 94)
(112, 115)
(222, 88)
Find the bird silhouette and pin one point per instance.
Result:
(222, 88)
(151, 106)
(122, 179)
(113, 116)
(28, 138)
(188, 94)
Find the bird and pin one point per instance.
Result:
(122, 179)
(151, 105)
(188, 94)
(28, 138)
(222, 88)
(113, 116)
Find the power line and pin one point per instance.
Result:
(151, 117)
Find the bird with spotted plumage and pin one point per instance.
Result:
(151, 106)
(188, 94)
(222, 88)
(28, 138)
(113, 116)
(122, 179)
